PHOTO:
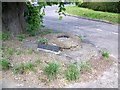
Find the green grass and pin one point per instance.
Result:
(21, 37)
(4, 64)
(4, 36)
(51, 70)
(89, 13)
(42, 40)
(8, 52)
(106, 55)
(85, 67)
(72, 73)
(46, 31)
(37, 62)
(30, 51)
(23, 67)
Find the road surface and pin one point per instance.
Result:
(102, 35)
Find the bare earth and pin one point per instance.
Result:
(104, 73)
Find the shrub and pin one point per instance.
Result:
(101, 6)
(72, 73)
(105, 54)
(4, 64)
(33, 19)
(42, 40)
(21, 37)
(51, 70)
(85, 67)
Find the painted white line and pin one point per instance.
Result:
(99, 30)
(114, 33)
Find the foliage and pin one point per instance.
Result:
(72, 73)
(21, 37)
(34, 15)
(51, 70)
(42, 40)
(101, 6)
(4, 64)
(88, 13)
(4, 36)
(105, 54)
(85, 67)
(23, 67)
(33, 19)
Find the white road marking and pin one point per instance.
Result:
(109, 32)
(114, 33)
(99, 30)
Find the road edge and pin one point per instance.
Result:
(91, 19)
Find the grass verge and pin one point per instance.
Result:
(89, 13)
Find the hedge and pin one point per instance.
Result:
(101, 6)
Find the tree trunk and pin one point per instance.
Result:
(13, 17)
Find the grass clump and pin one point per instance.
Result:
(85, 67)
(4, 36)
(51, 70)
(8, 52)
(80, 37)
(30, 51)
(42, 40)
(4, 64)
(106, 55)
(19, 52)
(21, 37)
(46, 31)
(23, 67)
(72, 73)
(37, 62)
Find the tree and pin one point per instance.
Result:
(19, 17)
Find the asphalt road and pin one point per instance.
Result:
(102, 35)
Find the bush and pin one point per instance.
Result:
(51, 70)
(4, 64)
(72, 73)
(85, 67)
(33, 19)
(21, 37)
(101, 6)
